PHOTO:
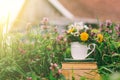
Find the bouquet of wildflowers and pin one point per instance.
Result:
(79, 32)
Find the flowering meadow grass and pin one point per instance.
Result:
(37, 53)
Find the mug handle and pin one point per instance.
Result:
(90, 48)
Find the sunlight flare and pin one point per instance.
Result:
(9, 10)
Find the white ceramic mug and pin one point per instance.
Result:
(80, 51)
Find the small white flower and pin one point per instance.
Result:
(86, 28)
(76, 34)
(71, 26)
(79, 26)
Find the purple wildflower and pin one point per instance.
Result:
(29, 78)
(117, 28)
(108, 23)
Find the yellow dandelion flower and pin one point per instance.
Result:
(84, 36)
(71, 30)
(100, 37)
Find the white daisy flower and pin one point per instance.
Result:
(79, 26)
(76, 34)
(86, 28)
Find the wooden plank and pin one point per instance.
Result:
(89, 74)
